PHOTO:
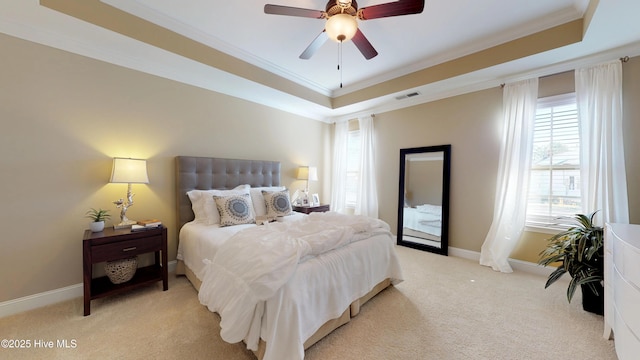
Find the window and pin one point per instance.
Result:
(554, 184)
(353, 168)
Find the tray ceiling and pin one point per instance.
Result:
(454, 46)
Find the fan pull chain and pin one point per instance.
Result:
(340, 62)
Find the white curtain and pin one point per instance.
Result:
(339, 171)
(603, 174)
(509, 214)
(367, 196)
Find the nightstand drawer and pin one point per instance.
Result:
(124, 249)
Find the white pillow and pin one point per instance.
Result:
(197, 205)
(257, 199)
(235, 209)
(277, 203)
(204, 207)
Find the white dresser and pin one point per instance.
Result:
(622, 288)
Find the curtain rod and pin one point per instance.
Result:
(623, 59)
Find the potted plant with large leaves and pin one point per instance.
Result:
(580, 252)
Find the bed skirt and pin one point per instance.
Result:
(324, 330)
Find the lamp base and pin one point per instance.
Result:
(124, 224)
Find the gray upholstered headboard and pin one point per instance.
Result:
(205, 173)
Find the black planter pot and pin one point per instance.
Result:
(591, 302)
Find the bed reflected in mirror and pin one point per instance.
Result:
(423, 199)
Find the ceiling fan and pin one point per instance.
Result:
(341, 22)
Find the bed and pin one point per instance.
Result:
(424, 220)
(323, 292)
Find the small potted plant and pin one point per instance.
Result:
(98, 217)
(580, 252)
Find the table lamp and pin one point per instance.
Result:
(308, 173)
(129, 171)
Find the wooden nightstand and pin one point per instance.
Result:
(310, 209)
(113, 244)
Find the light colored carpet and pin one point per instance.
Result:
(447, 308)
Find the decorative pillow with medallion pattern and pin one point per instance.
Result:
(235, 209)
(277, 202)
(258, 200)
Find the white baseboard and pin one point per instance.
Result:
(39, 300)
(516, 265)
(35, 301)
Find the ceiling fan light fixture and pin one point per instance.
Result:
(341, 27)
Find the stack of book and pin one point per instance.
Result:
(146, 225)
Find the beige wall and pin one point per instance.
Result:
(631, 130)
(63, 119)
(471, 124)
(423, 182)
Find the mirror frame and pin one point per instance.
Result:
(446, 177)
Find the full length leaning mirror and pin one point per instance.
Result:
(423, 200)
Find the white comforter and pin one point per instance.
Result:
(248, 274)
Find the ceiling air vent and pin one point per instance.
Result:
(406, 96)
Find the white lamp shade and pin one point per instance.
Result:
(313, 173)
(341, 27)
(129, 171)
(303, 173)
(307, 173)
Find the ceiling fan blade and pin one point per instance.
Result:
(293, 11)
(314, 46)
(397, 8)
(364, 45)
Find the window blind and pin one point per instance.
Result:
(554, 184)
(353, 168)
